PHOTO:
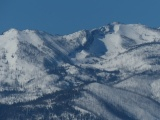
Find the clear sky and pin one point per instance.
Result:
(67, 16)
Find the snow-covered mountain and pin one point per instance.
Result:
(111, 72)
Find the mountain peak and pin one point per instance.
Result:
(115, 23)
(43, 51)
(12, 31)
(99, 73)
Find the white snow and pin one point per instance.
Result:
(36, 63)
(9, 42)
(116, 28)
(130, 103)
(155, 88)
(82, 55)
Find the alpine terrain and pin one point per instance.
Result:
(107, 73)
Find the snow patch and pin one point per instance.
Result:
(156, 89)
(81, 55)
(116, 28)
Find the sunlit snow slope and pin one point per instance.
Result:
(111, 72)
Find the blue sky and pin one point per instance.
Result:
(67, 16)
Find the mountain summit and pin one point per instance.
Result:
(111, 72)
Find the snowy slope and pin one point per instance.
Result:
(111, 72)
(111, 103)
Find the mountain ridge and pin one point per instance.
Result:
(90, 74)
